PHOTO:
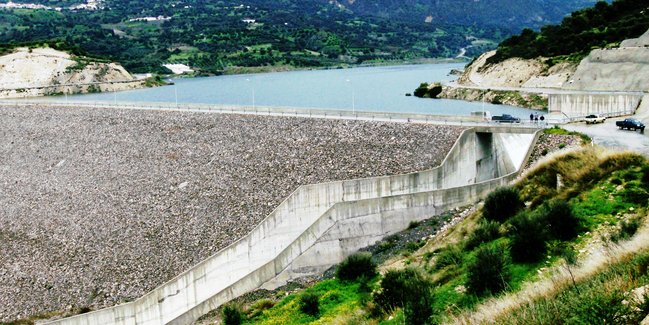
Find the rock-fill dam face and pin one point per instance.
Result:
(318, 225)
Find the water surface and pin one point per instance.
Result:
(377, 89)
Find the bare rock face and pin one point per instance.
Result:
(43, 71)
(516, 72)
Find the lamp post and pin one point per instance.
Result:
(252, 83)
(353, 97)
(176, 94)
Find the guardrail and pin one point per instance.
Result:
(285, 111)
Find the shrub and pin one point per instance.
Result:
(449, 255)
(528, 237)
(627, 229)
(422, 90)
(635, 192)
(502, 204)
(259, 306)
(408, 289)
(232, 315)
(489, 271)
(414, 245)
(310, 303)
(563, 224)
(356, 266)
(485, 232)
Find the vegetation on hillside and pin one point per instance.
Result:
(604, 25)
(508, 14)
(556, 214)
(214, 36)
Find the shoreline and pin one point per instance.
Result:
(286, 68)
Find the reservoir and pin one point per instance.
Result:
(368, 89)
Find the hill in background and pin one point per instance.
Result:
(216, 36)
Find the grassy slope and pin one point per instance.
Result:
(604, 190)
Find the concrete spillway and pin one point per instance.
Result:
(320, 224)
(582, 104)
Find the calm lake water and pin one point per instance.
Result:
(378, 89)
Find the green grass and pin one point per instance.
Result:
(561, 131)
(336, 298)
(598, 300)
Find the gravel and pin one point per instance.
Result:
(549, 143)
(99, 206)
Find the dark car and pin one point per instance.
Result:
(505, 118)
(630, 123)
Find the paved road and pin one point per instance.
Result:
(548, 91)
(608, 135)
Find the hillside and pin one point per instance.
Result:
(218, 37)
(557, 245)
(511, 15)
(601, 26)
(44, 71)
(601, 48)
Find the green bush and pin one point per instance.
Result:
(259, 306)
(502, 204)
(635, 192)
(449, 255)
(528, 237)
(485, 232)
(356, 266)
(627, 229)
(562, 223)
(408, 289)
(310, 303)
(232, 315)
(422, 90)
(489, 271)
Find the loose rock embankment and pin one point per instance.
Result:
(100, 206)
(512, 98)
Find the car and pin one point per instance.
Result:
(505, 118)
(594, 119)
(630, 123)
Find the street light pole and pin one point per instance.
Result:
(252, 83)
(176, 94)
(353, 97)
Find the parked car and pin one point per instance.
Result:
(505, 118)
(594, 119)
(630, 123)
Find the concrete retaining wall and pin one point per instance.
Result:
(579, 105)
(622, 69)
(318, 225)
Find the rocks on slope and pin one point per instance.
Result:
(42, 71)
(100, 206)
(516, 72)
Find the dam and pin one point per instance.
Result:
(318, 225)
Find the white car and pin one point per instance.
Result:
(594, 118)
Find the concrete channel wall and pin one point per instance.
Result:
(580, 105)
(318, 225)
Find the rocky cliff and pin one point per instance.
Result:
(516, 72)
(44, 71)
(625, 68)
